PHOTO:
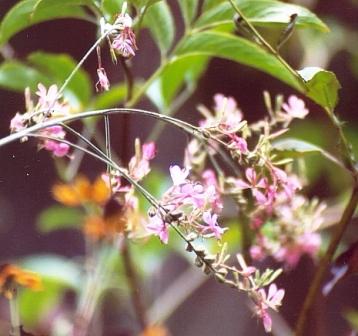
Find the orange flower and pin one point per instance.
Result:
(113, 221)
(11, 275)
(155, 331)
(81, 191)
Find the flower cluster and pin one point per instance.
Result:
(121, 36)
(284, 221)
(190, 201)
(12, 276)
(49, 105)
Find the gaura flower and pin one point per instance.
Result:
(12, 276)
(212, 227)
(81, 191)
(295, 107)
(159, 228)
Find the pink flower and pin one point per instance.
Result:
(212, 225)
(253, 183)
(307, 243)
(295, 107)
(178, 175)
(159, 228)
(149, 151)
(272, 300)
(239, 143)
(103, 82)
(17, 123)
(47, 98)
(245, 270)
(139, 164)
(125, 43)
(227, 107)
(57, 148)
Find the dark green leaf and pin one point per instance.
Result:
(59, 217)
(261, 13)
(322, 86)
(160, 22)
(237, 49)
(189, 9)
(57, 67)
(29, 12)
(17, 76)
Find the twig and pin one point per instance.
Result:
(133, 283)
(325, 261)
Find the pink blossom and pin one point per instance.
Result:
(57, 148)
(178, 175)
(17, 123)
(272, 300)
(253, 183)
(125, 43)
(227, 108)
(239, 143)
(295, 107)
(103, 82)
(307, 243)
(139, 164)
(245, 270)
(159, 228)
(47, 98)
(212, 225)
(149, 151)
(257, 252)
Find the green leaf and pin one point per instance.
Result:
(352, 318)
(160, 22)
(189, 9)
(186, 71)
(208, 4)
(27, 13)
(59, 217)
(17, 76)
(113, 97)
(297, 148)
(56, 268)
(237, 49)
(322, 86)
(58, 67)
(34, 306)
(111, 7)
(261, 13)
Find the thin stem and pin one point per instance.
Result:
(134, 285)
(268, 46)
(78, 66)
(326, 260)
(129, 78)
(14, 315)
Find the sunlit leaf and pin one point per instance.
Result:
(17, 76)
(34, 306)
(29, 12)
(262, 13)
(160, 22)
(186, 71)
(322, 86)
(58, 67)
(189, 9)
(56, 268)
(59, 217)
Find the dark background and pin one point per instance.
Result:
(26, 175)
